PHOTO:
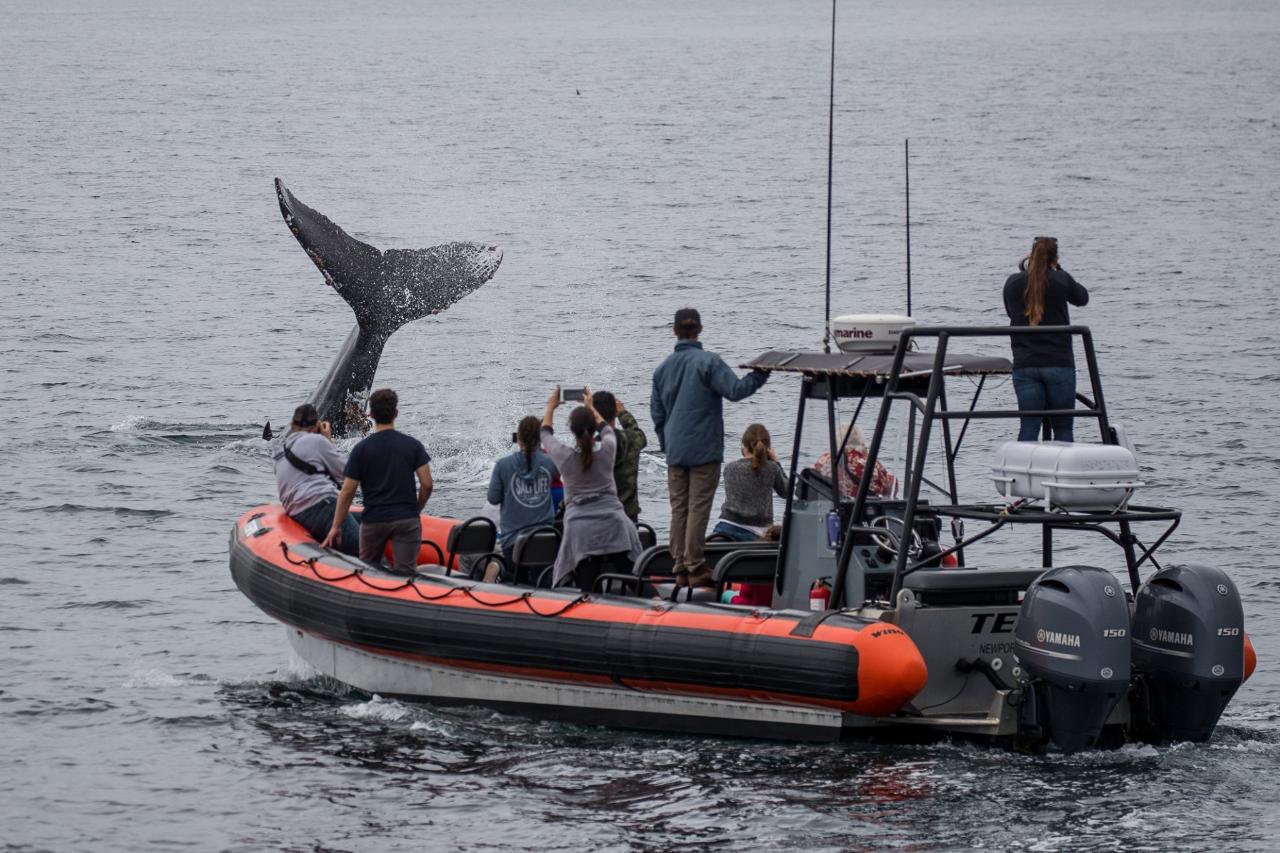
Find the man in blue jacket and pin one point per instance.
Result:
(687, 407)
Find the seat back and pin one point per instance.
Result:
(533, 551)
(476, 535)
(748, 566)
(655, 560)
(648, 536)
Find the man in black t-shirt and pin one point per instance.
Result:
(383, 466)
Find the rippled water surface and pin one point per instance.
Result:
(631, 158)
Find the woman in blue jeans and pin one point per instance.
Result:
(1044, 366)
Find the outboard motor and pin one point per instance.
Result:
(1188, 652)
(1072, 643)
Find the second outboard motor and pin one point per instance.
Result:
(1072, 642)
(1188, 652)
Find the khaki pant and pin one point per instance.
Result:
(692, 491)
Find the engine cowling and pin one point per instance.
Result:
(1072, 642)
(1188, 652)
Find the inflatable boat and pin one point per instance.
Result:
(630, 660)
(877, 616)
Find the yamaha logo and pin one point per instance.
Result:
(1058, 638)
(1109, 590)
(1218, 670)
(1176, 637)
(1222, 589)
(1106, 672)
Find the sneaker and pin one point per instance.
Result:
(492, 571)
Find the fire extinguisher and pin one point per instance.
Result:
(820, 595)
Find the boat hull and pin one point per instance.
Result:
(618, 660)
(417, 681)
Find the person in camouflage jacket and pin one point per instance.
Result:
(631, 440)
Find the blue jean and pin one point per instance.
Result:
(734, 532)
(1045, 388)
(318, 518)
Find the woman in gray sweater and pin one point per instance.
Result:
(598, 536)
(749, 486)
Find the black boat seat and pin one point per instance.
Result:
(753, 565)
(648, 536)
(471, 545)
(657, 562)
(970, 587)
(533, 551)
(745, 565)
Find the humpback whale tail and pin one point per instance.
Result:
(385, 289)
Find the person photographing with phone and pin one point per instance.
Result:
(1044, 366)
(598, 536)
(308, 469)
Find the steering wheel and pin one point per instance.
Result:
(890, 539)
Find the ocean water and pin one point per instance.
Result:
(631, 159)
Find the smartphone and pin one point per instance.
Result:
(570, 395)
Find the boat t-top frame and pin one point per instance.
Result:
(918, 380)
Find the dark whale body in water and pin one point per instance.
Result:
(385, 289)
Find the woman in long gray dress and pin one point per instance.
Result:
(598, 536)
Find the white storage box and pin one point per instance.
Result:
(1072, 476)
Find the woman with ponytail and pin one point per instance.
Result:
(598, 536)
(1044, 366)
(520, 485)
(749, 486)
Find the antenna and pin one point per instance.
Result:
(906, 172)
(831, 123)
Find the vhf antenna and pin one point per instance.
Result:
(831, 122)
(906, 172)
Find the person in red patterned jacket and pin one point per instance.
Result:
(883, 484)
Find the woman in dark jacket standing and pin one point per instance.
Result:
(1044, 366)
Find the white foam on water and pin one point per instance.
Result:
(376, 708)
(295, 669)
(135, 423)
(433, 727)
(152, 678)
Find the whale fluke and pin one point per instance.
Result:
(385, 289)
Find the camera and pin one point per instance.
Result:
(570, 395)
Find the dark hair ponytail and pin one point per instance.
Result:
(583, 426)
(757, 442)
(1044, 254)
(527, 436)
